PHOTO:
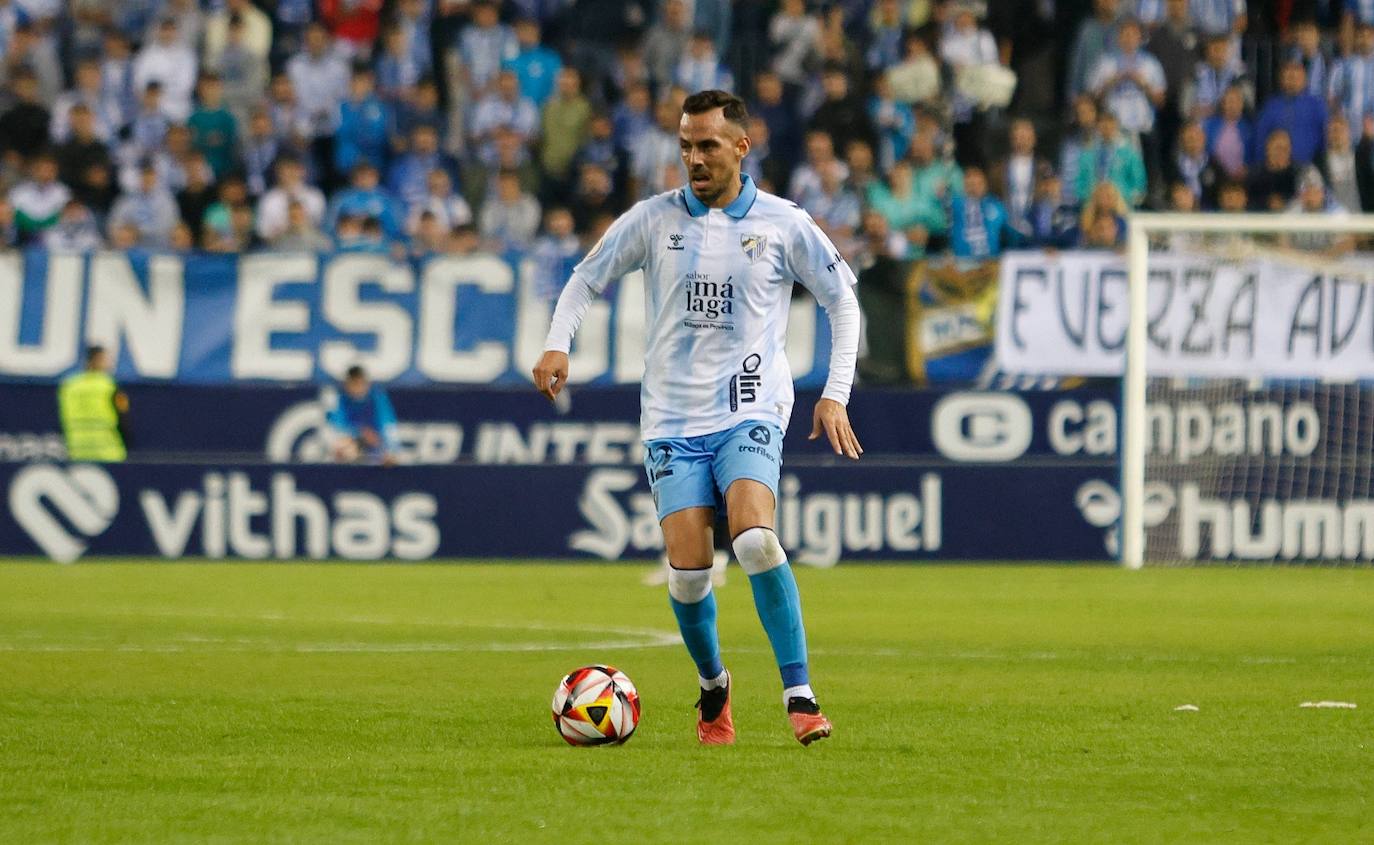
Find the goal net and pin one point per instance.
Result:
(1248, 397)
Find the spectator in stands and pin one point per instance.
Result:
(412, 18)
(363, 198)
(293, 126)
(448, 209)
(1230, 136)
(362, 421)
(510, 217)
(701, 69)
(319, 84)
(1218, 71)
(564, 125)
(1051, 222)
(484, 45)
(214, 131)
(40, 199)
(1220, 17)
(255, 33)
(1274, 181)
(96, 189)
(1112, 158)
(863, 172)
(965, 47)
(190, 22)
(892, 120)
(75, 231)
(32, 49)
(633, 116)
(24, 125)
(536, 65)
(916, 79)
(398, 68)
(148, 130)
(260, 149)
(151, 211)
(1352, 79)
(1232, 197)
(274, 206)
(1299, 114)
(841, 115)
(354, 24)
(979, 227)
(408, 177)
(882, 273)
(1130, 83)
(834, 207)
(600, 148)
(914, 214)
(172, 65)
(784, 127)
(85, 93)
(503, 108)
(593, 196)
(81, 148)
(1081, 134)
(479, 178)
(934, 177)
(365, 122)
(421, 108)
(1093, 40)
(1014, 177)
(885, 30)
(1102, 224)
(117, 92)
(195, 198)
(1174, 44)
(1345, 172)
(1192, 167)
(1308, 49)
(654, 150)
(300, 233)
(1313, 198)
(555, 253)
(429, 237)
(795, 38)
(665, 43)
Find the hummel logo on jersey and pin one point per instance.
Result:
(753, 246)
(676, 241)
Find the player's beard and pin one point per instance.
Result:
(712, 190)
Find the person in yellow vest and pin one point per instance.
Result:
(92, 409)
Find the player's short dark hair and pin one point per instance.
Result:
(731, 107)
(95, 350)
(355, 371)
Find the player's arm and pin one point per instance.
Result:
(816, 263)
(619, 251)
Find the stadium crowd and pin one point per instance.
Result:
(905, 127)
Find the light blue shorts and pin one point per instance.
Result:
(695, 472)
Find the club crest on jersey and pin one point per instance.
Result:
(753, 246)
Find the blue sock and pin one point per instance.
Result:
(697, 622)
(779, 607)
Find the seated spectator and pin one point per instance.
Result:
(510, 217)
(1347, 175)
(290, 187)
(979, 227)
(1273, 183)
(893, 120)
(820, 151)
(82, 147)
(117, 92)
(863, 171)
(429, 237)
(219, 228)
(362, 421)
(593, 196)
(504, 108)
(24, 125)
(1051, 223)
(255, 29)
(1102, 223)
(364, 125)
(1113, 158)
(1308, 49)
(465, 241)
(1299, 114)
(701, 69)
(915, 214)
(39, 200)
(213, 129)
(841, 115)
(935, 177)
(1230, 136)
(363, 198)
(87, 93)
(555, 253)
(1092, 41)
(171, 64)
(834, 207)
(1232, 197)
(564, 124)
(655, 149)
(665, 42)
(151, 211)
(1348, 90)
(885, 30)
(74, 231)
(259, 150)
(300, 234)
(148, 130)
(449, 209)
(633, 117)
(1313, 198)
(1014, 177)
(916, 79)
(479, 179)
(195, 198)
(536, 65)
(1218, 71)
(408, 177)
(1193, 167)
(354, 23)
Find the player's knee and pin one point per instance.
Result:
(758, 550)
(689, 586)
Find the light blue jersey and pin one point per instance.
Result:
(718, 287)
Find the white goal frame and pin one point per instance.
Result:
(1140, 226)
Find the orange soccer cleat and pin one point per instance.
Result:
(715, 726)
(808, 722)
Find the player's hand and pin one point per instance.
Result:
(832, 418)
(551, 373)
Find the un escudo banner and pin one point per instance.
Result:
(305, 317)
(1066, 314)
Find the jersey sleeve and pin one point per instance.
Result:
(620, 251)
(815, 262)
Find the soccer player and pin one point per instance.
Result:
(719, 258)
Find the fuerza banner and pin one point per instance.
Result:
(1066, 314)
(303, 317)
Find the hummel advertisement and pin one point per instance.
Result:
(825, 513)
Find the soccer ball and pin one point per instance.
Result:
(596, 705)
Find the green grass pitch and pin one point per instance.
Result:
(341, 703)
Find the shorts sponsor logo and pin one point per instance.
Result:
(83, 495)
(744, 387)
(759, 434)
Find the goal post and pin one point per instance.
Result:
(1249, 346)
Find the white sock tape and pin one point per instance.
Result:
(689, 586)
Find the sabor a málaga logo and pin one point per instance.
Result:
(83, 495)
